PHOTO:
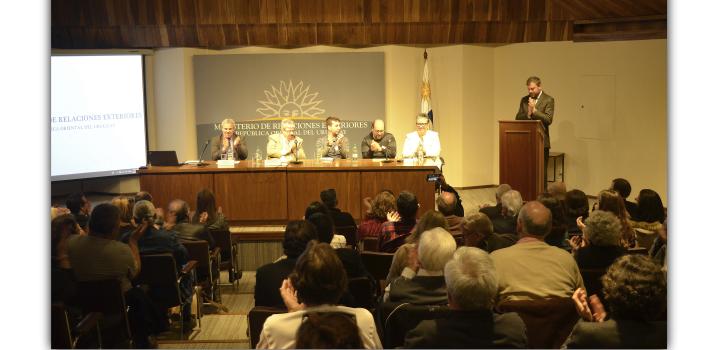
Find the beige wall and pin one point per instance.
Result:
(472, 88)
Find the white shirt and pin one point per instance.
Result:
(431, 144)
(279, 330)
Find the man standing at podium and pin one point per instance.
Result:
(538, 105)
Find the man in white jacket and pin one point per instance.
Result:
(422, 137)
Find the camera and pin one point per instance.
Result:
(433, 177)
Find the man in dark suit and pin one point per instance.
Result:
(269, 278)
(178, 220)
(494, 212)
(538, 105)
(341, 219)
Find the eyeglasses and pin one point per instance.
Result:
(421, 124)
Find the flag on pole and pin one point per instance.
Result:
(425, 106)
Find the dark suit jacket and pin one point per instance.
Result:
(194, 232)
(420, 290)
(505, 224)
(620, 334)
(544, 111)
(598, 257)
(240, 151)
(481, 329)
(492, 212)
(268, 280)
(631, 209)
(156, 241)
(341, 218)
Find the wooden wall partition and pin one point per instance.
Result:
(252, 195)
(165, 187)
(304, 187)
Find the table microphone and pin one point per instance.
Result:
(200, 162)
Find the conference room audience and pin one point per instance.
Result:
(336, 143)
(328, 330)
(208, 213)
(228, 142)
(315, 207)
(269, 277)
(611, 201)
(601, 242)
(421, 281)
(125, 205)
(478, 232)
(285, 145)
(315, 285)
(79, 207)
(422, 140)
(576, 205)
(446, 203)
(494, 211)
(623, 188)
(399, 223)
(532, 269)
(507, 221)
(429, 220)
(380, 207)
(178, 221)
(472, 284)
(635, 290)
(339, 217)
(650, 211)
(558, 233)
(378, 143)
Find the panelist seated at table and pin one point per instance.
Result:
(422, 139)
(285, 145)
(336, 144)
(221, 143)
(378, 143)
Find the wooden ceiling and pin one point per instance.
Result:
(224, 24)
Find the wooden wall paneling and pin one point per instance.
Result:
(414, 181)
(253, 195)
(254, 254)
(304, 187)
(166, 187)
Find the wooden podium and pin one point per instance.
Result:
(522, 158)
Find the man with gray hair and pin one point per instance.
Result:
(511, 202)
(472, 284)
(531, 269)
(495, 211)
(601, 243)
(285, 145)
(421, 281)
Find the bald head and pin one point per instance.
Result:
(534, 219)
(446, 203)
(378, 129)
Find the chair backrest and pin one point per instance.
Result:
(223, 239)
(396, 319)
(364, 292)
(256, 320)
(370, 244)
(548, 321)
(350, 233)
(105, 296)
(60, 334)
(199, 251)
(377, 263)
(159, 271)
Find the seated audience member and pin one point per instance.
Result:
(472, 284)
(335, 144)
(338, 241)
(431, 219)
(208, 213)
(494, 211)
(79, 207)
(156, 241)
(269, 277)
(658, 250)
(331, 330)
(601, 241)
(350, 257)
(285, 145)
(557, 190)
(178, 220)
(228, 141)
(507, 221)
(143, 196)
(98, 256)
(478, 232)
(622, 187)
(576, 205)
(339, 217)
(612, 202)
(394, 232)
(125, 205)
(315, 286)
(558, 233)
(421, 281)
(380, 207)
(378, 143)
(650, 211)
(62, 282)
(635, 290)
(532, 269)
(446, 203)
(442, 186)
(422, 140)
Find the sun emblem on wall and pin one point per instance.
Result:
(290, 101)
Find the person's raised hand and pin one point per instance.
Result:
(140, 230)
(289, 296)
(580, 223)
(598, 310)
(581, 304)
(393, 216)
